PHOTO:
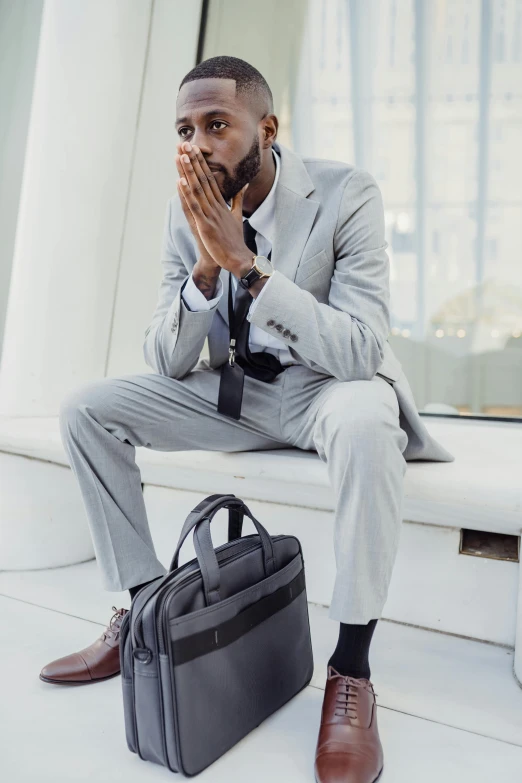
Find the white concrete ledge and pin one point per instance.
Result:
(481, 489)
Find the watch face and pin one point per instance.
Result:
(264, 265)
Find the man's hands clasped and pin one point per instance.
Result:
(217, 229)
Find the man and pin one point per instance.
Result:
(301, 242)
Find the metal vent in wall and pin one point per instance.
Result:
(497, 546)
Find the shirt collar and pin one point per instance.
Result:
(262, 219)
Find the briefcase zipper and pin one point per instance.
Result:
(175, 575)
(161, 623)
(185, 579)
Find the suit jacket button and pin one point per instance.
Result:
(279, 327)
(271, 322)
(293, 338)
(286, 332)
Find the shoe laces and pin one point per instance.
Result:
(113, 629)
(347, 694)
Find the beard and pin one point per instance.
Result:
(245, 171)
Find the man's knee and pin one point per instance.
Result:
(88, 397)
(361, 413)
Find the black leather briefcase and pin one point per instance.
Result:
(215, 646)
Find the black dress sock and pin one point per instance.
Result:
(350, 657)
(134, 590)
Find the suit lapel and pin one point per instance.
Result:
(293, 221)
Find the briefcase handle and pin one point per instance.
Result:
(235, 520)
(199, 519)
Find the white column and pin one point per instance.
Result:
(84, 114)
(173, 45)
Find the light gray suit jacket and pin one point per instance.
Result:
(330, 288)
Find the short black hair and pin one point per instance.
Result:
(250, 83)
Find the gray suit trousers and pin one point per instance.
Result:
(352, 425)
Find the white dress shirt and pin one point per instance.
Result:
(262, 219)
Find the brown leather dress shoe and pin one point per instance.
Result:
(100, 661)
(348, 749)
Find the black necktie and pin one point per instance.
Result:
(260, 364)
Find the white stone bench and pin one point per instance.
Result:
(43, 522)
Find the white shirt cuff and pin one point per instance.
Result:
(196, 299)
(256, 299)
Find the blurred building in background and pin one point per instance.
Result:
(424, 94)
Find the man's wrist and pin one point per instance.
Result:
(205, 277)
(195, 300)
(244, 265)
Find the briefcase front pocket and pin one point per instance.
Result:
(242, 667)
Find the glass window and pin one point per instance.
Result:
(428, 98)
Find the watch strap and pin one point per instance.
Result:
(252, 275)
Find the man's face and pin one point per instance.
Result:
(209, 115)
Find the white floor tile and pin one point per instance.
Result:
(459, 682)
(75, 590)
(56, 733)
